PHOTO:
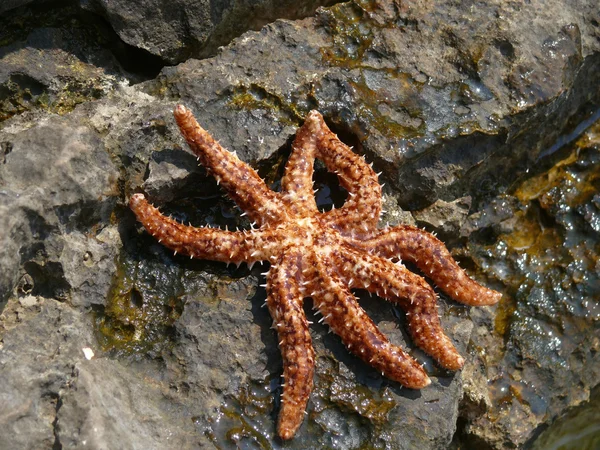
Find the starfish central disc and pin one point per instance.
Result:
(323, 255)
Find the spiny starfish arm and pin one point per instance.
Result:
(432, 257)
(397, 284)
(241, 181)
(359, 333)
(284, 300)
(204, 243)
(363, 205)
(297, 182)
(424, 326)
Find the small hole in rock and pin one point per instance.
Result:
(136, 298)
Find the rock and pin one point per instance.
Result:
(106, 405)
(542, 360)
(444, 217)
(372, 83)
(37, 360)
(58, 65)
(228, 319)
(58, 183)
(447, 102)
(198, 27)
(579, 426)
(12, 4)
(394, 215)
(170, 175)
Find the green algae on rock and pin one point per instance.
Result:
(143, 304)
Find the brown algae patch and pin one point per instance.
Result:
(255, 97)
(351, 31)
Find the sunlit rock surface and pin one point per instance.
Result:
(467, 110)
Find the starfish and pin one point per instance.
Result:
(323, 255)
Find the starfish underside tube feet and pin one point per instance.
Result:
(323, 256)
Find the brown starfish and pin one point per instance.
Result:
(323, 255)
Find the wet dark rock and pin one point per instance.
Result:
(11, 4)
(543, 358)
(449, 102)
(579, 427)
(459, 123)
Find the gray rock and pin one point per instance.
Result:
(58, 182)
(178, 30)
(38, 355)
(53, 60)
(445, 217)
(446, 102)
(107, 405)
(369, 80)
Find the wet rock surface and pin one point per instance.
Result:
(546, 358)
(454, 104)
(442, 125)
(11, 4)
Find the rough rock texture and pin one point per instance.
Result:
(177, 30)
(51, 58)
(58, 189)
(11, 4)
(489, 91)
(450, 101)
(102, 390)
(545, 247)
(39, 352)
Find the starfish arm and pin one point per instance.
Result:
(297, 181)
(363, 205)
(359, 333)
(241, 181)
(397, 284)
(284, 301)
(432, 257)
(203, 243)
